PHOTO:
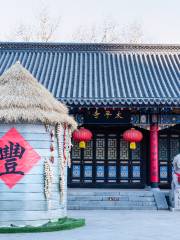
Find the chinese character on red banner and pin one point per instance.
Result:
(17, 157)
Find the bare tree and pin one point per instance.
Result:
(84, 34)
(43, 30)
(22, 33)
(132, 33)
(109, 32)
(47, 26)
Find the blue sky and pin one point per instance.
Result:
(160, 19)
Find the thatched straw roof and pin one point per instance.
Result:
(23, 99)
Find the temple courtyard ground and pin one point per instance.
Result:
(111, 224)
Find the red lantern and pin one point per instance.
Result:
(82, 136)
(132, 135)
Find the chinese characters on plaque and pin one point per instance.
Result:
(10, 153)
(17, 157)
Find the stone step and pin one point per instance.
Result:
(86, 199)
(110, 203)
(113, 193)
(77, 207)
(111, 198)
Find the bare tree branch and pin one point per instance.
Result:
(84, 34)
(23, 33)
(132, 33)
(43, 30)
(109, 32)
(47, 26)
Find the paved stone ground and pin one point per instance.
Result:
(111, 225)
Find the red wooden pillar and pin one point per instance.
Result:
(154, 161)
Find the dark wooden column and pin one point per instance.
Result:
(154, 161)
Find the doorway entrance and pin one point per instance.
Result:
(108, 162)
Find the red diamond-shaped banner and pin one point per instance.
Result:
(17, 157)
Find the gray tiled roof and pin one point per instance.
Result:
(101, 74)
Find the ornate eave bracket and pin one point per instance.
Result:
(164, 120)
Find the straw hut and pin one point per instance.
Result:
(35, 141)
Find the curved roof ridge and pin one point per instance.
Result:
(55, 46)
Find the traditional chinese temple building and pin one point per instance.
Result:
(110, 88)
